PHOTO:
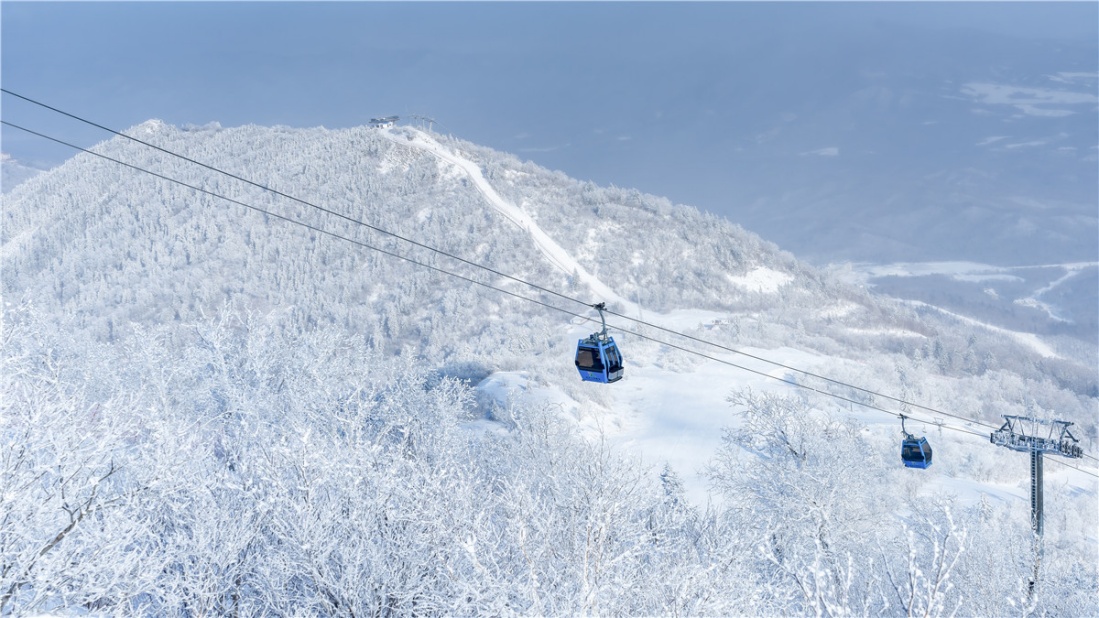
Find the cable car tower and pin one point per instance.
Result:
(1038, 437)
(424, 119)
(1026, 434)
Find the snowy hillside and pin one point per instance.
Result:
(263, 407)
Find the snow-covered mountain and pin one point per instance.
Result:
(243, 391)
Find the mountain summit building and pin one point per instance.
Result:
(387, 121)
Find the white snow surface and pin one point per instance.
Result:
(1030, 340)
(553, 252)
(669, 416)
(762, 280)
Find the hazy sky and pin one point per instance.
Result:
(469, 65)
(660, 96)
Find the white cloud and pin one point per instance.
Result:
(1042, 102)
(831, 151)
(1070, 77)
(544, 148)
(1031, 110)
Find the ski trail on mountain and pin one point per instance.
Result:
(1030, 340)
(1035, 298)
(554, 252)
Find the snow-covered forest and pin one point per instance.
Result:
(207, 410)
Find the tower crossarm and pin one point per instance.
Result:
(1026, 434)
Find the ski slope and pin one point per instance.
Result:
(553, 252)
(677, 417)
(1030, 340)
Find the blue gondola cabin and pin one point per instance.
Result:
(915, 452)
(598, 360)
